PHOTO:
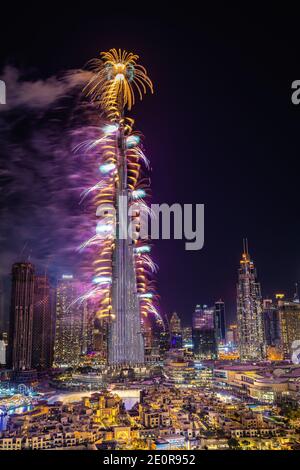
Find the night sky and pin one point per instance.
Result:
(220, 130)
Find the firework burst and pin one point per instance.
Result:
(116, 79)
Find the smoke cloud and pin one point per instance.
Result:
(41, 178)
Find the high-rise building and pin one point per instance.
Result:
(175, 331)
(148, 337)
(69, 322)
(187, 340)
(197, 316)
(271, 323)
(43, 319)
(204, 333)
(2, 320)
(175, 324)
(21, 316)
(249, 311)
(220, 321)
(232, 335)
(100, 340)
(162, 341)
(289, 320)
(125, 337)
(88, 329)
(124, 290)
(2, 351)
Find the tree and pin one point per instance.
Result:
(233, 443)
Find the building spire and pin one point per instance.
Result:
(245, 257)
(245, 246)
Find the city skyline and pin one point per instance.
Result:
(149, 246)
(185, 317)
(223, 144)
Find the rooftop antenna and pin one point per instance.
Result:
(245, 246)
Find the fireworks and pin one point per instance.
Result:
(116, 79)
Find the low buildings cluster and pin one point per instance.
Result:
(268, 383)
(239, 406)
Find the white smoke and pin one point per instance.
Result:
(38, 94)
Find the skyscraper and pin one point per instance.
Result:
(100, 340)
(196, 319)
(125, 338)
(69, 322)
(2, 351)
(175, 324)
(2, 320)
(271, 323)
(88, 329)
(232, 335)
(175, 331)
(204, 333)
(43, 319)
(220, 321)
(124, 291)
(249, 311)
(187, 341)
(21, 316)
(289, 320)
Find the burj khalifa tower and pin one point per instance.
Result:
(123, 264)
(125, 340)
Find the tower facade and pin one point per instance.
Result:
(21, 316)
(125, 339)
(220, 321)
(175, 331)
(123, 288)
(43, 319)
(289, 324)
(69, 322)
(204, 333)
(249, 311)
(271, 323)
(175, 324)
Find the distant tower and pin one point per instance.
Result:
(220, 321)
(289, 319)
(197, 316)
(175, 331)
(21, 316)
(271, 323)
(88, 329)
(296, 294)
(69, 322)
(204, 333)
(175, 324)
(2, 320)
(249, 311)
(232, 335)
(43, 319)
(100, 340)
(2, 351)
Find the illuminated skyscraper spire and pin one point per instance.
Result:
(249, 310)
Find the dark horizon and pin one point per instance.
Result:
(220, 129)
